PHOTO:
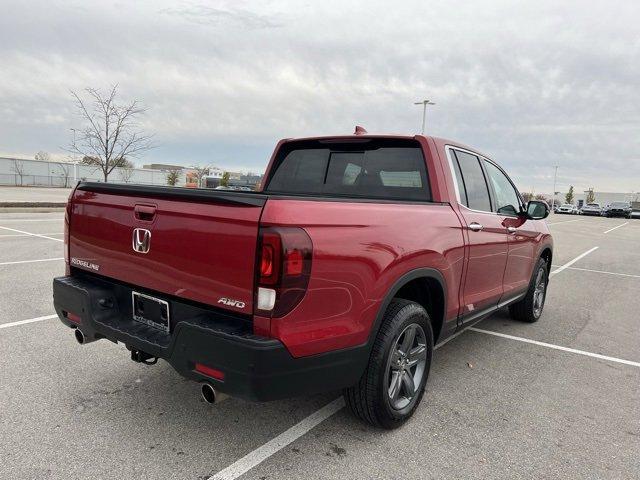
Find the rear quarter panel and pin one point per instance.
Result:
(359, 250)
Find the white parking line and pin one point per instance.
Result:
(565, 221)
(568, 264)
(260, 454)
(32, 234)
(31, 261)
(603, 271)
(557, 347)
(31, 320)
(612, 229)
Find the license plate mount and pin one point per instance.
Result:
(151, 311)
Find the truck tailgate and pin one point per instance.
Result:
(201, 243)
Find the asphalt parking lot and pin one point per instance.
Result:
(556, 399)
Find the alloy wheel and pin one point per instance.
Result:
(539, 293)
(406, 367)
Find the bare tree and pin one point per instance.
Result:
(18, 169)
(173, 176)
(43, 156)
(526, 196)
(200, 172)
(126, 171)
(65, 169)
(591, 196)
(111, 132)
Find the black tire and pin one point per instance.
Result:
(525, 310)
(370, 399)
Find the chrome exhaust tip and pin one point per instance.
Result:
(209, 393)
(80, 338)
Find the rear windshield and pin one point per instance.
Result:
(371, 168)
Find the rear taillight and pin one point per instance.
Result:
(284, 269)
(67, 218)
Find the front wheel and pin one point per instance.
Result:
(393, 383)
(529, 309)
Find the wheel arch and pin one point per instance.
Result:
(425, 286)
(547, 255)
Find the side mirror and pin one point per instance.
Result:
(537, 210)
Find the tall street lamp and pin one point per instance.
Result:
(424, 104)
(555, 176)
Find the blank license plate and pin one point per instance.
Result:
(150, 310)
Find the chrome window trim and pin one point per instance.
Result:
(448, 149)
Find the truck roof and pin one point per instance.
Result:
(440, 142)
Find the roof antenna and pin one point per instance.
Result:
(360, 130)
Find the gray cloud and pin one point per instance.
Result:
(532, 85)
(207, 15)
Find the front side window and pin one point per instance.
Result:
(507, 201)
(475, 185)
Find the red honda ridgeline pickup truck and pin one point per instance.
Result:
(357, 255)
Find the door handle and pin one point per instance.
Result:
(511, 229)
(475, 226)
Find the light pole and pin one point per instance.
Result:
(424, 104)
(555, 177)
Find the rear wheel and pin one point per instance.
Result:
(393, 383)
(529, 309)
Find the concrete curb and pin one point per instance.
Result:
(31, 210)
(33, 204)
(32, 207)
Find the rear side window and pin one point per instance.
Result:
(384, 169)
(475, 185)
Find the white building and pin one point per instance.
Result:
(603, 198)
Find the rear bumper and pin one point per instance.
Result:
(255, 368)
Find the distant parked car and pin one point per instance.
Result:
(619, 209)
(592, 209)
(565, 208)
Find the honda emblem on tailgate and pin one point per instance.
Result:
(141, 240)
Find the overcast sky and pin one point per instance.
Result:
(532, 84)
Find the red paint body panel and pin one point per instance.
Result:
(205, 251)
(359, 251)
(486, 255)
(486, 261)
(199, 251)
